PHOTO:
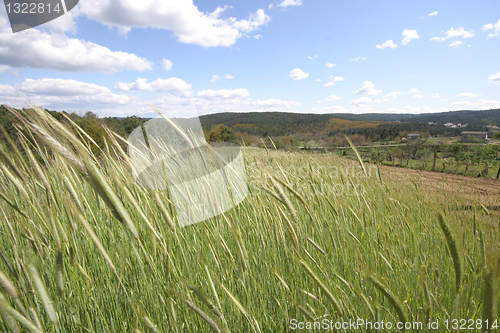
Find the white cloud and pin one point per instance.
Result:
(312, 57)
(409, 35)
(482, 103)
(358, 59)
(189, 25)
(414, 90)
(172, 84)
(338, 78)
(435, 96)
(415, 109)
(287, 3)
(167, 64)
(394, 94)
(418, 96)
(64, 23)
(334, 108)
(368, 88)
(467, 94)
(270, 102)
(361, 101)
(432, 14)
(494, 78)
(329, 84)
(456, 43)
(214, 78)
(298, 74)
(4, 68)
(257, 37)
(487, 27)
(490, 26)
(63, 94)
(332, 98)
(316, 79)
(388, 44)
(228, 76)
(222, 94)
(329, 65)
(381, 100)
(37, 49)
(460, 32)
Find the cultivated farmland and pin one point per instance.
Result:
(84, 249)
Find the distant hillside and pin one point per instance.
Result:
(283, 123)
(482, 118)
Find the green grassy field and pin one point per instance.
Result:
(87, 250)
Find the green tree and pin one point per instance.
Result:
(222, 133)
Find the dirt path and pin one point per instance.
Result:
(473, 190)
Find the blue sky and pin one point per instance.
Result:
(113, 57)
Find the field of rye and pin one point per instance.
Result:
(84, 249)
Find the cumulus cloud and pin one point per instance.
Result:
(37, 49)
(368, 88)
(361, 101)
(329, 84)
(312, 57)
(172, 84)
(487, 27)
(329, 65)
(228, 76)
(432, 14)
(222, 94)
(494, 78)
(334, 108)
(435, 96)
(358, 59)
(298, 74)
(167, 64)
(332, 98)
(388, 44)
(257, 37)
(409, 35)
(467, 94)
(414, 90)
(182, 17)
(4, 68)
(270, 102)
(214, 78)
(482, 103)
(338, 78)
(287, 3)
(460, 32)
(63, 94)
(394, 94)
(456, 43)
(415, 109)
(490, 26)
(418, 96)
(381, 100)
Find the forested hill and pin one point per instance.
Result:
(486, 117)
(285, 120)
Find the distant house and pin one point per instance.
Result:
(413, 137)
(473, 136)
